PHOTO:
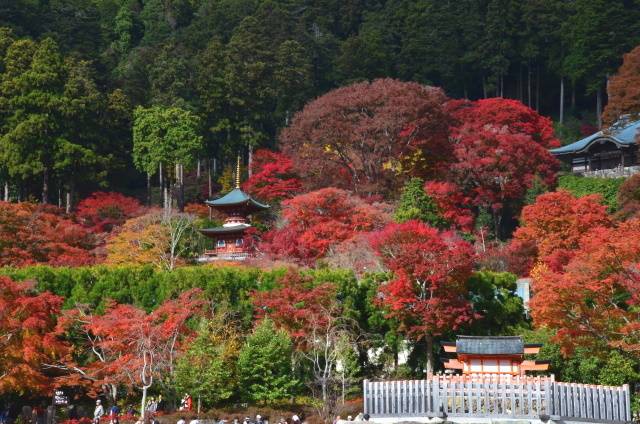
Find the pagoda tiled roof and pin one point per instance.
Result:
(229, 229)
(236, 197)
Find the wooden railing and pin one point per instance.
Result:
(489, 396)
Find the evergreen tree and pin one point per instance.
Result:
(265, 369)
(415, 203)
(207, 370)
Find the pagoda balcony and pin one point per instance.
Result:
(212, 256)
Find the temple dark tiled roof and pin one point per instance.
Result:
(474, 345)
(622, 134)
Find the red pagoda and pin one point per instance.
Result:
(228, 239)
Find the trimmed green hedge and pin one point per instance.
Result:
(143, 286)
(582, 186)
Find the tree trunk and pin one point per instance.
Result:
(599, 107)
(573, 96)
(143, 403)
(484, 88)
(209, 180)
(45, 186)
(180, 170)
(561, 119)
(148, 189)
(198, 170)
(68, 201)
(521, 85)
(429, 340)
(529, 85)
(537, 88)
(161, 182)
(59, 198)
(6, 191)
(250, 161)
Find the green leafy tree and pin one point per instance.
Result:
(618, 370)
(265, 369)
(207, 370)
(500, 310)
(415, 203)
(166, 140)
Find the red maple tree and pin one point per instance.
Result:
(364, 136)
(296, 305)
(316, 222)
(555, 224)
(102, 211)
(137, 348)
(273, 178)
(27, 338)
(33, 233)
(428, 292)
(500, 148)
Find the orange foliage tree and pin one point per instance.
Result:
(27, 338)
(595, 300)
(624, 89)
(31, 233)
(553, 228)
(316, 222)
(135, 348)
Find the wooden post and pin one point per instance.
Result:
(627, 395)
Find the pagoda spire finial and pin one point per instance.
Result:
(238, 172)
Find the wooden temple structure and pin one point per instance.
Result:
(229, 239)
(493, 355)
(612, 152)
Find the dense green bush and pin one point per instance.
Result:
(582, 186)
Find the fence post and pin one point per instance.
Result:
(627, 403)
(547, 397)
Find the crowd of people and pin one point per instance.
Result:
(157, 405)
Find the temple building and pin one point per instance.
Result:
(493, 355)
(612, 152)
(229, 241)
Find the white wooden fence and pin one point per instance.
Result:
(492, 396)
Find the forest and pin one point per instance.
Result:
(238, 70)
(403, 149)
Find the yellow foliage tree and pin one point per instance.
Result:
(164, 241)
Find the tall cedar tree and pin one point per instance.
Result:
(316, 222)
(428, 292)
(365, 136)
